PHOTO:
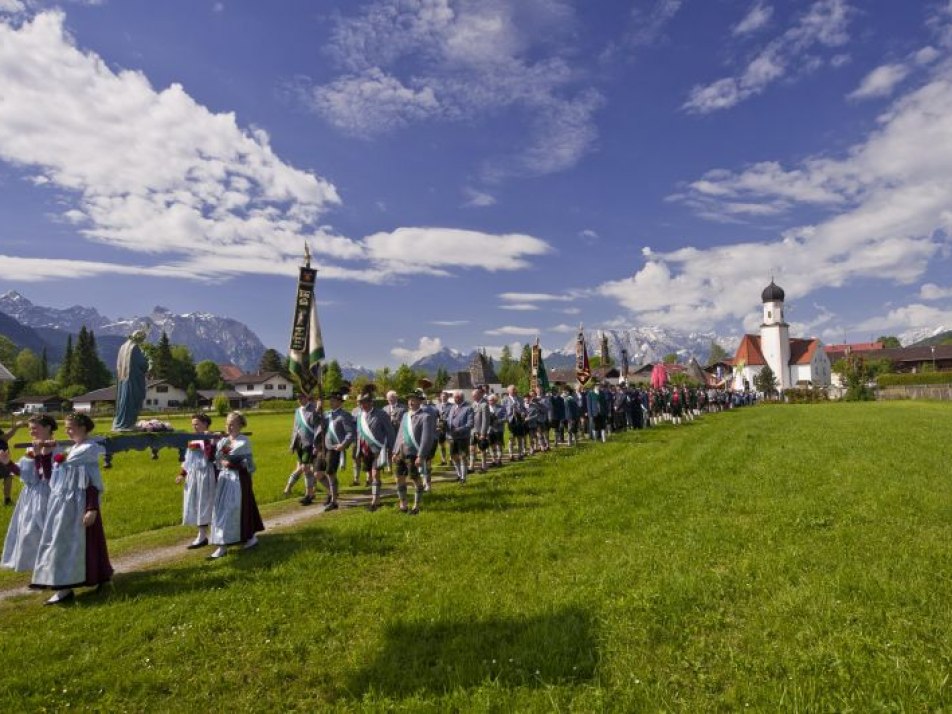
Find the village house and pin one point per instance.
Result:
(260, 386)
(160, 395)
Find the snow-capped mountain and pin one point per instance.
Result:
(69, 319)
(449, 359)
(913, 337)
(350, 371)
(207, 336)
(647, 344)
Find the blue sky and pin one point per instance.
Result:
(473, 174)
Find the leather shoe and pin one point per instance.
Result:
(58, 599)
(332, 506)
(200, 544)
(307, 500)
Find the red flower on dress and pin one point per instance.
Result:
(59, 457)
(226, 449)
(196, 445)
(30, 454)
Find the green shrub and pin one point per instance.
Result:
(805, 395)
(889, 380)
(221, 405)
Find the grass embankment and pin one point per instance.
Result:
(782, 557)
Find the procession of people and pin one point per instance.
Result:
(56, 530)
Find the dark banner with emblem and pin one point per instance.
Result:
(307, 345)
(302, 309)
(583, 371)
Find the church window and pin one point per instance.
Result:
(769, 315)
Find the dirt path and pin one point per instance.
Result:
(142, 560)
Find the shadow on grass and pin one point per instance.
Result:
(273, 550)
(439, 657)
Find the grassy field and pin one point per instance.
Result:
(772, 558)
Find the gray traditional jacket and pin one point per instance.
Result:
(340, 429)
(416, 434)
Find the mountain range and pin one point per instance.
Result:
(207, 336)
(225, 340)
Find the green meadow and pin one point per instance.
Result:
(793, 558)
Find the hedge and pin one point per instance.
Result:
(888, 380)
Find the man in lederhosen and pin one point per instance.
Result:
(339, 436)
(303, 431)
(414, 440)
(459, 427)
(375, 440)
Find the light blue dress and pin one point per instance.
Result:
(26, 526)
(226, 514)
(61, 557)
(198, 499)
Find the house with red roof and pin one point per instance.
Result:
(794, 361)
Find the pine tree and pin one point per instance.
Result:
(162, 362)
(333, 377)
(66, 371)
(272, 361)
(766, 381)
(44, 366)
(82, 365)
(102, 377)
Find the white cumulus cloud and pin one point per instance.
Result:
(426, 346)
(154, 174)
(884, 214)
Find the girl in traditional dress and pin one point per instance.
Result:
(235, 516)
(72, 550)
(198, 473)
(29, 516)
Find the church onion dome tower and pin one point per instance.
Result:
(772, 293)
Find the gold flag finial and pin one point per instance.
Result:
(307, 255)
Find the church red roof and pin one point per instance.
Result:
(802, 350)
(749, 350)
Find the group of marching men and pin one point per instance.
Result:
(405, 437)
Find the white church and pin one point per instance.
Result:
(796, 362)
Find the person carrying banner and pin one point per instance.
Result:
(339, 435)
(303, 431)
